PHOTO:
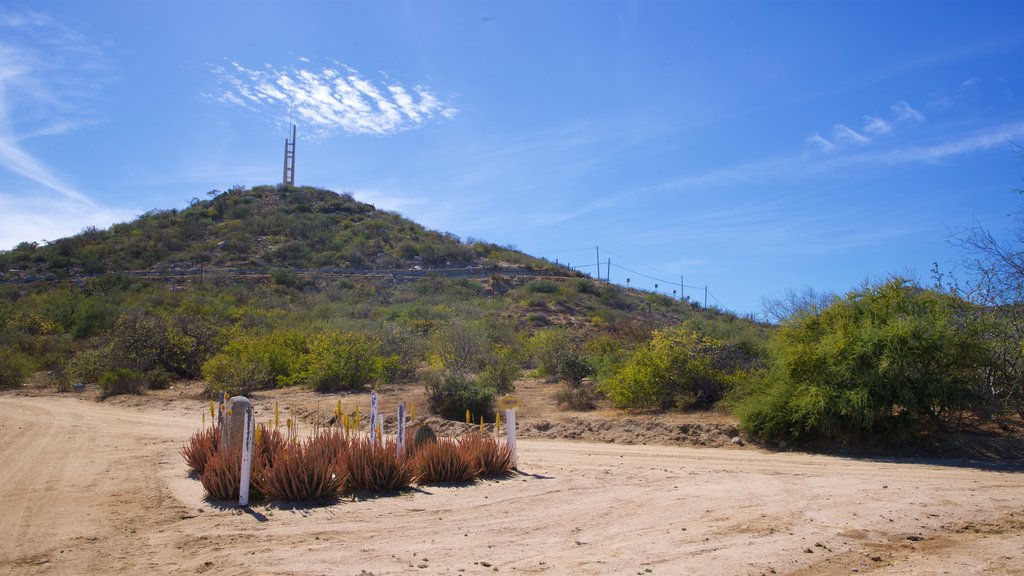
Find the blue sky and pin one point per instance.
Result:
(747, 146)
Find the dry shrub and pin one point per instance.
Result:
(444, 461)
(492, 458)
(201, 446)
(377, 468)
(313, 469)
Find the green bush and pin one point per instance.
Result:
(674, 369)
(252, 362)
(338, 361)
(450, 394)
(560, 355)
(122, 381)
(89, 365)
(501, 370)
(237, 375)
(541, 287)
(892, 357)
(15, 367)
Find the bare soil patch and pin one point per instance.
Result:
(89, 487)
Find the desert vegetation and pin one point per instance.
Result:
(334, 462)
(893, 357)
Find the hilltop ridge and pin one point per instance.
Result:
(263, 227)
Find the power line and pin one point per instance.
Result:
(659, 280)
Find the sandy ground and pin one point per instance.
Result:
(99, 488)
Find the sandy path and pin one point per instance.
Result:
(89, 488)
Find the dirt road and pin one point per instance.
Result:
(91, 488)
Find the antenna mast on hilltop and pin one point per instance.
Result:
(289, 160)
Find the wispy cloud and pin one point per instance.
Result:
(821, 142)
(44, 91)
(809, 164)
(332, 99)
(906, 113)
(843, 135)
(846, 135)
(876, 125)
(993, 137)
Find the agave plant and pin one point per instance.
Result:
(313, 469)
(200, 447)
(492, 458)
(444, 461)
(377, 467)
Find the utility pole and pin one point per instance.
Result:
(705, 296)
(289, 160)
(682, 288)
(608, 271)
(598, 249)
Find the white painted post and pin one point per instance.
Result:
(373, 418)
(247, 448)
(510, 426)
(401, 428)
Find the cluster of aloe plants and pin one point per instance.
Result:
(330, 464)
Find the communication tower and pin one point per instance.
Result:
(289, 160)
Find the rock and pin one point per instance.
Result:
(737, 441)
(424, 435)
(782, 444)
(542, 426)
(234, 422)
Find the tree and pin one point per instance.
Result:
(996, 269)
(792, 303)
(888, 357)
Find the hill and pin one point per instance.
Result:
(260, 228)
(278, 286)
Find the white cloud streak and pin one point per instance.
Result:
(821, 142)
(906, 113)
(845, 135)
(876, 125)
(329, 100)
(43, 92)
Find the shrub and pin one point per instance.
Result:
(14, 368)
(582, 397)
(450, 394)
(560, 355)
(541, 287)
(673, 369)
(891, 357)
(339, 361)
(236, 376)
(502, 370)
(122, 381)
(89, 365)
(445, 460)
(158, 379)
(139, 341)
(252, 362)
(459, 347)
